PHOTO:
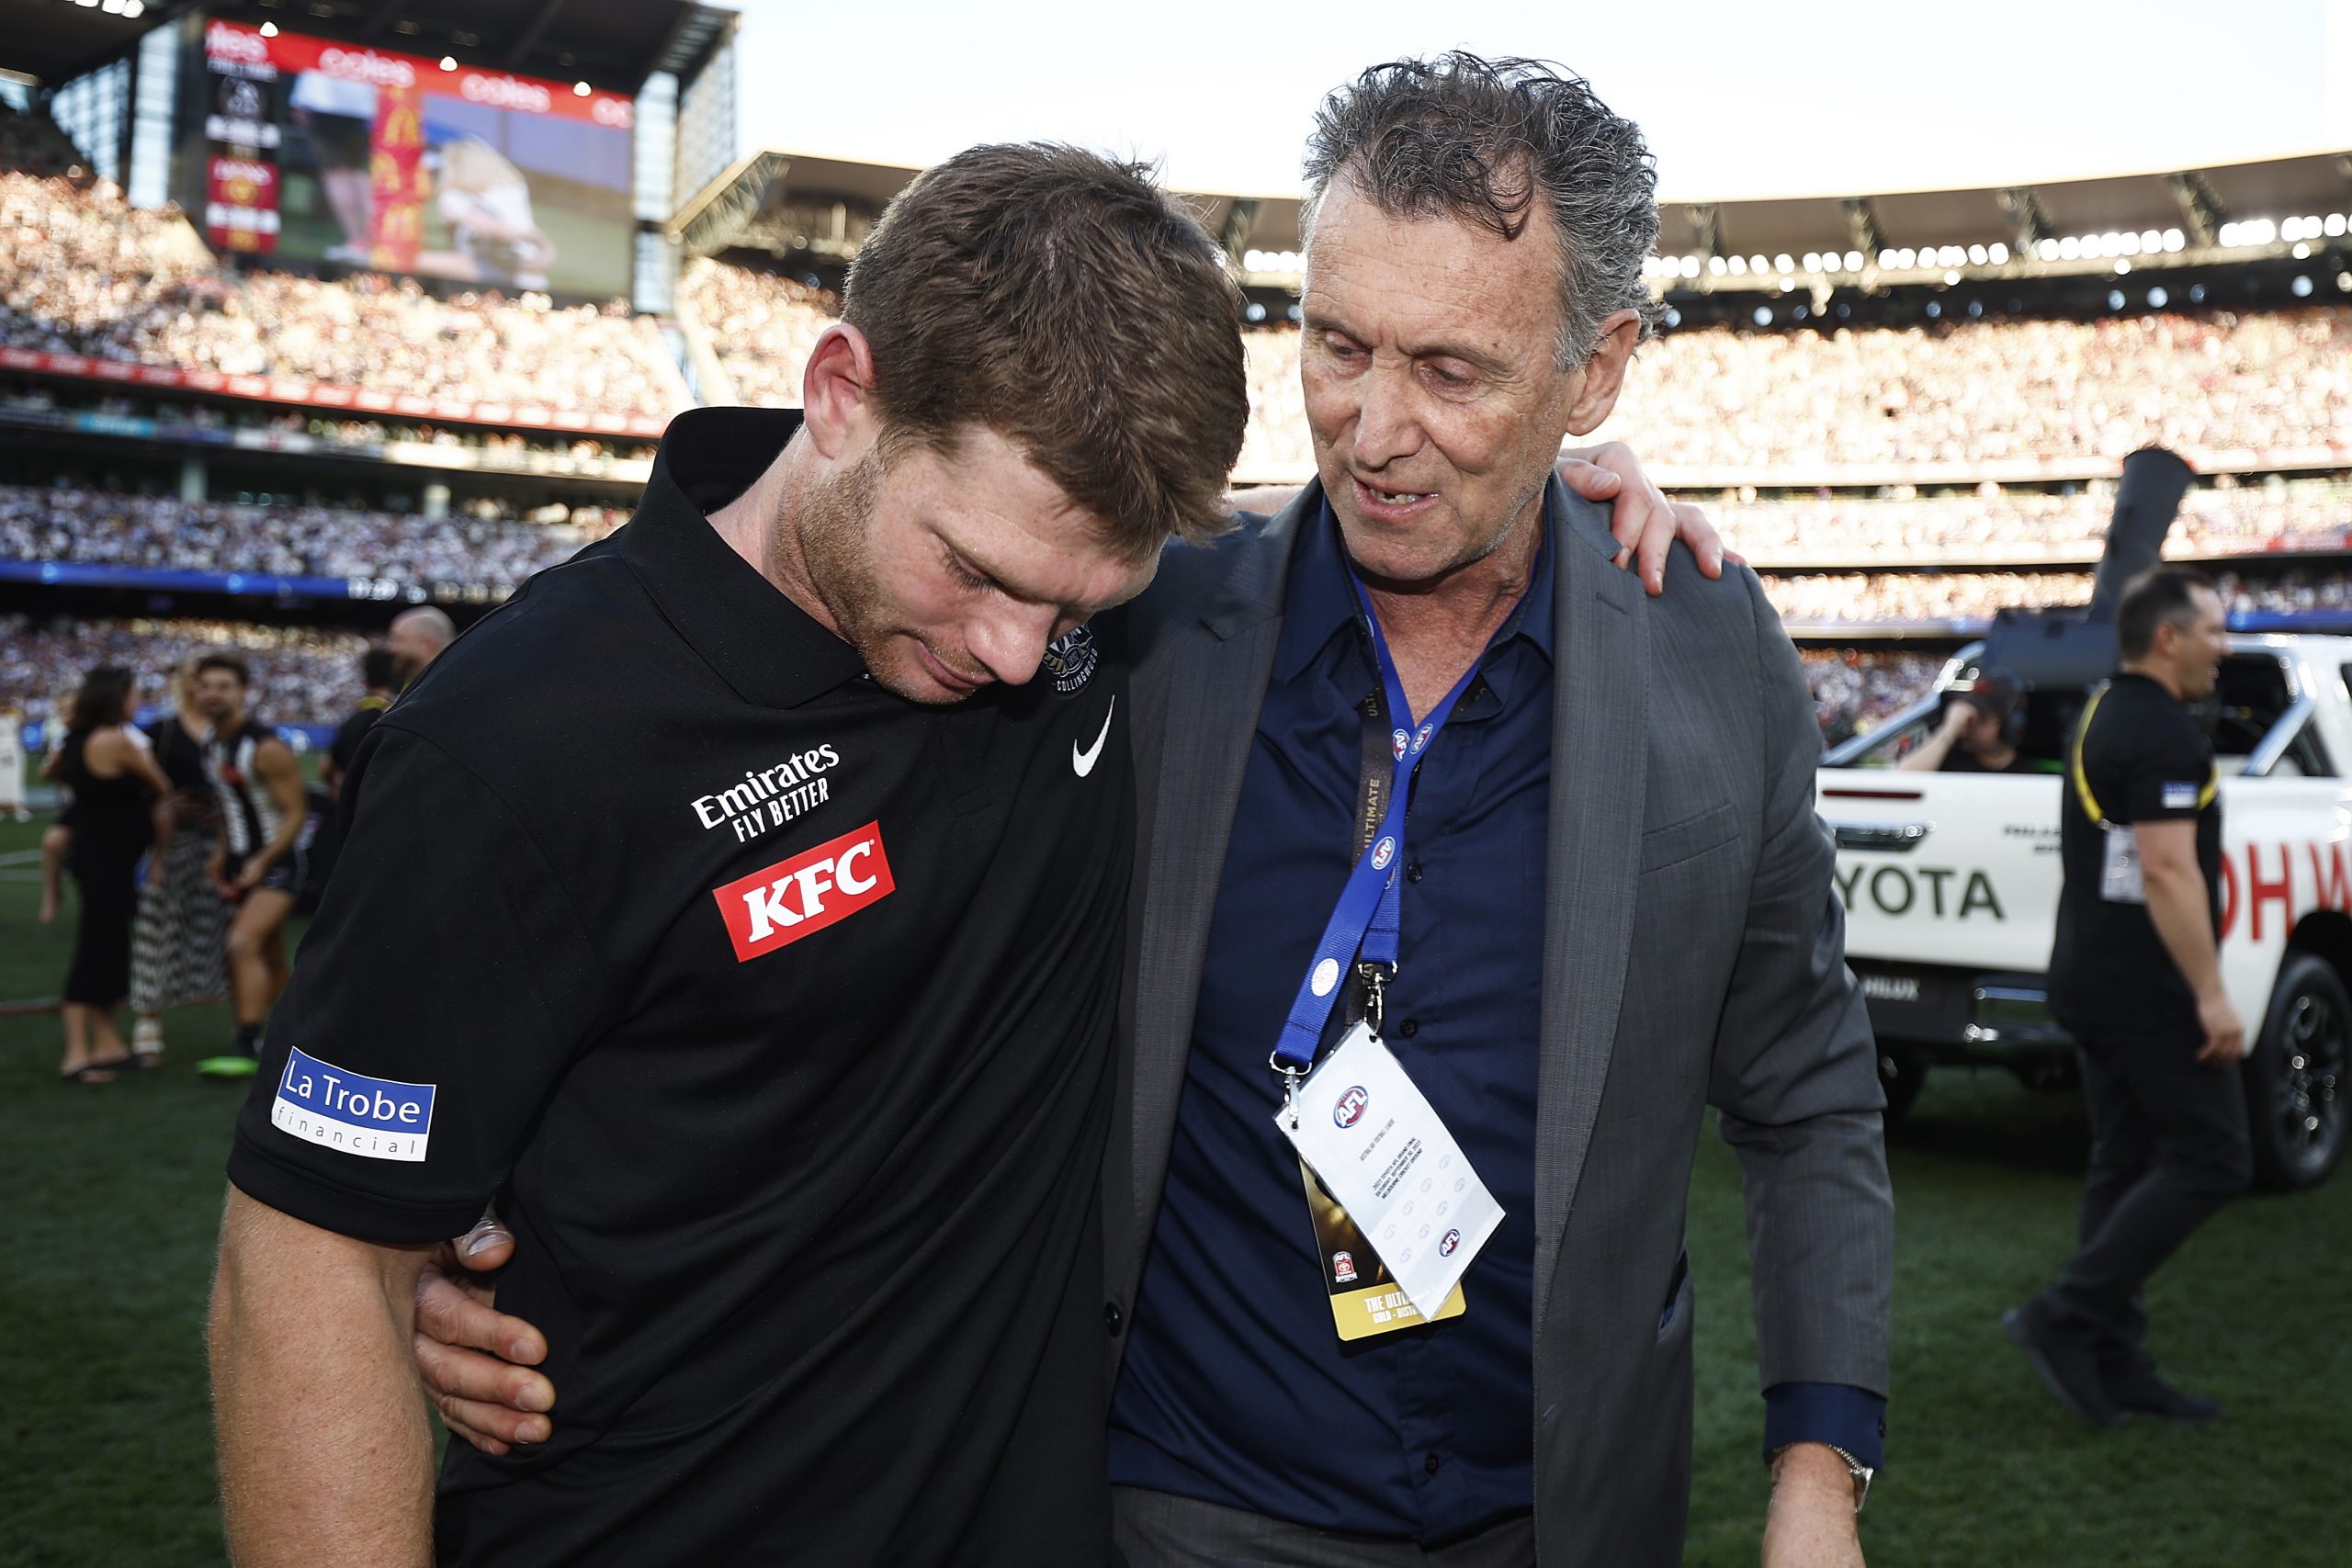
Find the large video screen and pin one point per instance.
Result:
(324, 151)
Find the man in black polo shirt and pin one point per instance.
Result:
(379, 673)
(786, 1050)
(2136, 975)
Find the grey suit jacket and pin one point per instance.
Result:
(1693, 953)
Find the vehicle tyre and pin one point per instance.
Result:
(1901, 1073)
(2298, 1096)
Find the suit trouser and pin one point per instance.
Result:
(1160, 1529)
(2169, 1147)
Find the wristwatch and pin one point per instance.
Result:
(1854, 1467)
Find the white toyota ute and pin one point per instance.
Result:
(1950, 881)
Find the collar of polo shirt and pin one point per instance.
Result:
(762, 643)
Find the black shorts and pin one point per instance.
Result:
(286, 876)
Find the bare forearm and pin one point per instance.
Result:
(326, 1449)
(1929, 754)
(2182, 912)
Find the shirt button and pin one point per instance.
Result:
(1112, 1319)
(1409, 1028)
(1429, 1465)
(1413, 871)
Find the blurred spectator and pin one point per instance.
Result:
(307, 676)
(417, 638)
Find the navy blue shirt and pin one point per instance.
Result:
(1236, 1388)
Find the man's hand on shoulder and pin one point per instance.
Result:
(1811, 1523)
(475, 1361)
(1645, 520)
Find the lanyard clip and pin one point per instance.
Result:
(1291, 1077)
(1376, 977)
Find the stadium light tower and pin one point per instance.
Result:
(2201, 211)
(1707, 223)
(2030, 222)
(1864, 231)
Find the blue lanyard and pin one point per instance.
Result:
(1364, 923)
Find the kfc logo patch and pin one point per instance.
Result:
(797, 897)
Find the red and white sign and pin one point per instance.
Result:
(240, 204)
(229, 44)
(797, 897)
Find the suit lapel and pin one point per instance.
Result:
(1600, 751)
(1209, 682)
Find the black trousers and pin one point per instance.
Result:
(2169, 1147)
(108, 874)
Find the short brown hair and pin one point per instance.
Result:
(1063, 301)
(228, 662)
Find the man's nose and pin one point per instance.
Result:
(1386, 426)
(1011, 643)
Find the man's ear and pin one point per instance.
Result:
(837, 394)
(1603, 376)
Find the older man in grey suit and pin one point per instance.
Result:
(1616, 909)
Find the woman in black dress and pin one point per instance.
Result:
(117, 790)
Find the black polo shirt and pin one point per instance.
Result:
(2111, 977)
(776, 1014)
(345, 747)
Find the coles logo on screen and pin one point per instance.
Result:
(797, 897)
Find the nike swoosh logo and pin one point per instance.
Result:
(1082, 762)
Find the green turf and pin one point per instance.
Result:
(115, 1192)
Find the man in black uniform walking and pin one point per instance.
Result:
(786, 1050)
(2136, 977)
(380, 672)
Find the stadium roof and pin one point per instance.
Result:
(56, 41)
(611, 44)
(791, 204)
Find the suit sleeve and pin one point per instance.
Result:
(440, 994)
(1795, 1073)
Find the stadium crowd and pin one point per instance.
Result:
(31, 142)
(1825, 597)
(1854, 690)
(85, 273)
(761, 326)
(302, 675)
(1994, 525)
(1978, 391)
(98, 527)
(1993, 391)
(499, 448)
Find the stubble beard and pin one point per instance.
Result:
(834, 528)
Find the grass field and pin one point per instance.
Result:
(114, 1194)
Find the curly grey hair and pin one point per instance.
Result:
(1480, 140)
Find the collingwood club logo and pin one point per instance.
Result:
(1070, 659)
